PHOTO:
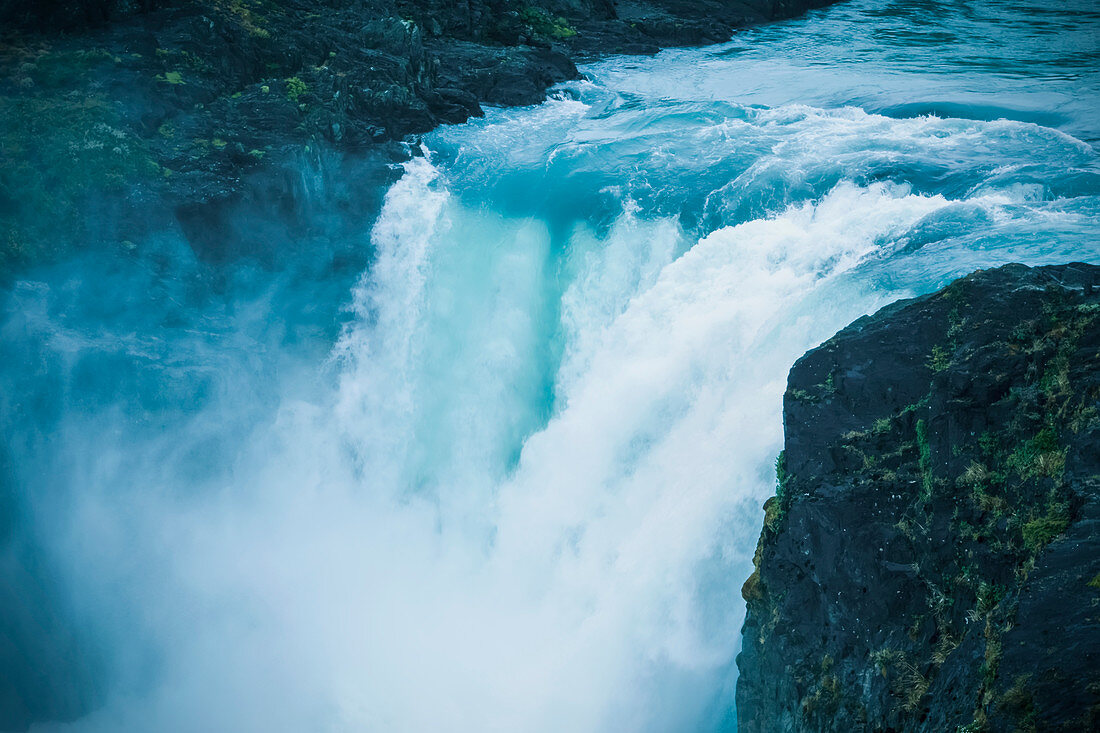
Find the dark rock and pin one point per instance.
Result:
(932, 559)
(200, 96)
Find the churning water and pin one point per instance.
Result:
(518, 489)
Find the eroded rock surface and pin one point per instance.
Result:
(188, 108)
(932, 558)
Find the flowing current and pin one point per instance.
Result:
(517, 485)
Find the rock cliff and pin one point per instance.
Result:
(118, 116)
(931, 560)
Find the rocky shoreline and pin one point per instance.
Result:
(931, 560)
(121, 117)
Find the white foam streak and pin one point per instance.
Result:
(379, 348)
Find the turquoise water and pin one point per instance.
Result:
(510, 478)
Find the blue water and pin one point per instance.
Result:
(510, 477)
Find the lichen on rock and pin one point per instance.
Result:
(939, 529)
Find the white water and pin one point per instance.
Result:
(523, 491)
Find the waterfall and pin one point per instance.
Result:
(521, 489)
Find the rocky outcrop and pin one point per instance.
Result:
(179, 109)
(931, 560)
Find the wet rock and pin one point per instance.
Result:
(932, 560)
(204, 97)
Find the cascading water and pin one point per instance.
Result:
(522, 489)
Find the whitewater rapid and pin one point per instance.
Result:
(521, 488)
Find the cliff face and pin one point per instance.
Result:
(931, 560)
(193, 105)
